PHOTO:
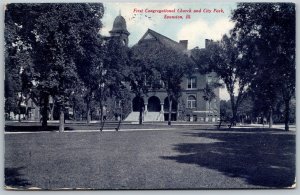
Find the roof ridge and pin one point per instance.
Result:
(166, 41)
(162, 35)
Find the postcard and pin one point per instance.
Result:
(159, 96)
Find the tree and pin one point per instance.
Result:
(122, 97)
(266, 33)
(111, 80)
(202, 59)
(246, 111)
(17, 69)
(12, 87)
(169, 67)
(11, 90)
(77, 101)
(223, 58)
(57, 35)
(265, 96)
(19, 34)
(225, 110)
(245, 114)
(60, 30)
(139, 75)
(209, 94)
(90, 69)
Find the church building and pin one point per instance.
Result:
(191, 106)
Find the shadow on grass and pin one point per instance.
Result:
(263, 159)
(36, 127)
(13, 178)
(244, 129)
(32, 128)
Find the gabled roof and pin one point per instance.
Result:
(152, 35)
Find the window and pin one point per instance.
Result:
(192, 83)
(188, 117)
(209, 79)
(148, 36)
(191, 101)
(194, 117)
(124, 42)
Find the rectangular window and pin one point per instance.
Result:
(193, 104)
(188, 117)
(209, 79)
(194, 117)
(192, 83)
(189, 104)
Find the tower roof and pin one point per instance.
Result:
(119, 25)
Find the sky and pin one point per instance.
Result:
(200, 26)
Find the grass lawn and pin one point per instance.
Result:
(70, 126)
(170, 159)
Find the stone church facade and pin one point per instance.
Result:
(191, 106)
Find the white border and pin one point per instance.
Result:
(173, 192)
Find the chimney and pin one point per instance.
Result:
(184, 43)
(207, 42)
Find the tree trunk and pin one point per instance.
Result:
(88, 113)
(101, 116)
(286, 114)
(170, 110)
(234, 110)
(234, 117)
(51, 112)
(271, 117)
(19, 105)
(74, 113)
(45, 110)
(209, 114)
(119, 124)
(19, 117)
(26, 108)
(61, 119)
(141, 111)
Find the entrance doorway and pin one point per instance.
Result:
(153, 104)
(137, 104)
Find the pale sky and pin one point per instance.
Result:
(201, 26)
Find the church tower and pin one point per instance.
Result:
(120, 30)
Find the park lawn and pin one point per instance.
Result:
(172, 159)
(70, 126)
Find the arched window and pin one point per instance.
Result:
(191, 101)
